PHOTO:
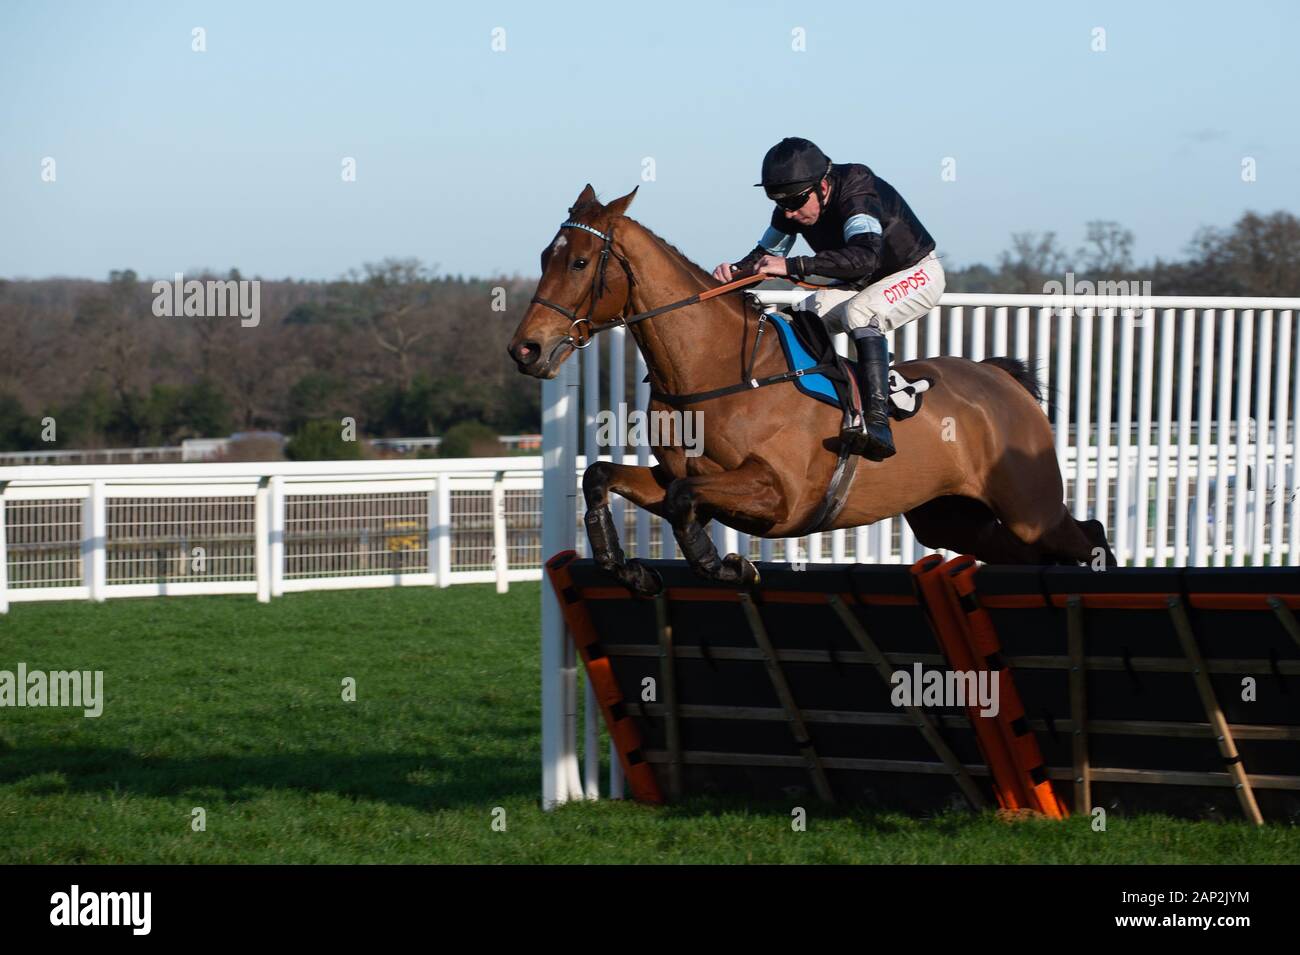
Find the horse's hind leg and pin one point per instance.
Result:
(1075, 542)
(967, 526)
(1094, 534)
(749, 495)
(644, 487)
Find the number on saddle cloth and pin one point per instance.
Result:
(804, 336)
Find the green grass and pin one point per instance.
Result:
(236, 707)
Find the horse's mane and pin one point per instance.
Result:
(699, 271)
(596, 208)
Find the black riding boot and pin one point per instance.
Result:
(872, 438)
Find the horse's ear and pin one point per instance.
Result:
(588, 194)
(619, 205)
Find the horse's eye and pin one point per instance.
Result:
(579, 264)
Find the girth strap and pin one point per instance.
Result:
(750, 385)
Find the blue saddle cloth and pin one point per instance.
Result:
(797, 357)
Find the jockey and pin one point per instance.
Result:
(868, 239)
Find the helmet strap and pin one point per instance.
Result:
(821, 200)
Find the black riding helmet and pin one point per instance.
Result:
(791, 167)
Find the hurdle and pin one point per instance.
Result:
(1133, 690)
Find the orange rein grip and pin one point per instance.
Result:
(987, 648)
(623, 730)
(731, 286)
(946, 620)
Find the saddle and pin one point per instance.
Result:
(807, 345)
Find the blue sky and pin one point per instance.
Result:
(169, 160)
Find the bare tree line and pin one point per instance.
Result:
(404, 351)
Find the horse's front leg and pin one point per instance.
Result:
(644, 487)
(749, 494)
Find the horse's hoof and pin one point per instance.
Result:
(742, 572)
(643, 580)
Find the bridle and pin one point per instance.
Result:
(575, 337)
(578, 338)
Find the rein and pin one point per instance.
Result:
(577, 338)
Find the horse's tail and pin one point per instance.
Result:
(1021, 372)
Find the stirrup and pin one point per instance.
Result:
(859, 440)
(879, 448)
(855, 439)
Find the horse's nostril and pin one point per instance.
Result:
(525, 353)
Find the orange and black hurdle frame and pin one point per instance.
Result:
(1137, 689)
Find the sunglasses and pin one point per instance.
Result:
(791, 203)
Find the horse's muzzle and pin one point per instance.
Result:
(526, 354)
(534, 360)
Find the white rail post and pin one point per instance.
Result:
(907, 538)
(277, 535)
(1043, 351)
(1120, 530)
(1142, 494)
(431, 531)
(1280, 443)
(1165, 412)
(642, 392)
(1293, 536)
(590, 364)
(1083, 416)
(885, 528)
(718, 534)
(642, 456)
(443, 558)
(933, 346)
(1262, 417)
(590, 360)
(499, 555)
(560, 781)
(1205, 391)
(617, 402)
(1061, 389)
(94, 543)
(1223, 439)
(1182, 519)
(1241, 467)
(4, 554)
(262, 539)
(977, 326)
(1105, 382)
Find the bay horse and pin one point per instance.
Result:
(975, 470)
